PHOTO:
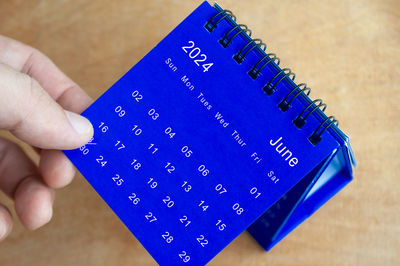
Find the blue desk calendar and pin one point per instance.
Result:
(206, 137)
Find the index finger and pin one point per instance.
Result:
(30, 61)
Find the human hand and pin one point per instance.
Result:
(38, 104)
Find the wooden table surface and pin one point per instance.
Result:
(347, 51)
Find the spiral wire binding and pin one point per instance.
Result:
(283, 74)
(300, 120)
(239, 57)
(284, 105)
(254, 72)
(211, 24)
(240, 29)
(316, 137)
(269, 88)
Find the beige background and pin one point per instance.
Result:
(347, 51)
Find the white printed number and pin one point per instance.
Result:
(168, 238)
(85, 150)
(136, 165)
(236, 207)
(150, 217)
(255, 192)
(168, 202)
(137, 96)
(169, 132)
(133, 197)
(221, 226)
(120, 112)
(153, 184)
(101, 161)
(185, 220)
(186, 151)
(153, 114)
(195, 54)
(220, 189)
(169, 167)
(203, 170)
(203, 242)
(183, 255)
(117, 179)
(103, 127)
(203, 205)
(152, 148)
(186, 186)
(137, 130)
(119, 145)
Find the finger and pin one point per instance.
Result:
(34, 203)
(55, 168)
(33, 116)
(5, 222)
(20, 180)
(32, 62)
(15, 165)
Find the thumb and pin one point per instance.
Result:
(33, 116)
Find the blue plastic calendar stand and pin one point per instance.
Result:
(207, 136)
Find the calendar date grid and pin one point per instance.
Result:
(187, 153)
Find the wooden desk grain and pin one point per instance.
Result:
(347, 51)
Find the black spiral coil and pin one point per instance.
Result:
(285, 73)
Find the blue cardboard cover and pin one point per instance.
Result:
(188, 150)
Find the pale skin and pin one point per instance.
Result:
(39, 105)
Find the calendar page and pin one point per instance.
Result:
(188, 150)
